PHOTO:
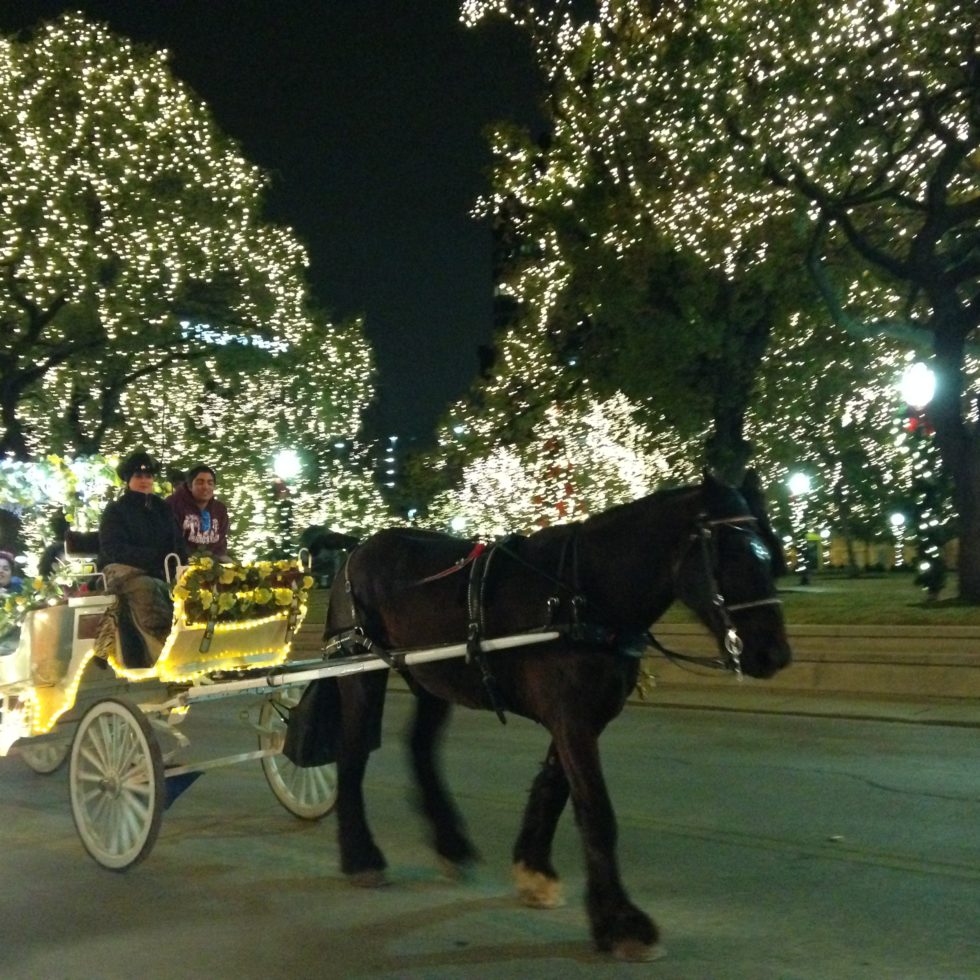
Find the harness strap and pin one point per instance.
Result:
(715, 663)
(356, 637)
(478, 550)
(476, 608)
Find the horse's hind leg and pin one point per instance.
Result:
(534, 874)
(617, 925)
(448, 832)
(362, 700)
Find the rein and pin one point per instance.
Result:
(458, 566)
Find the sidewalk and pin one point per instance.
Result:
(912, 674)
(955, 712)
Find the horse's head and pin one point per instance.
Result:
(727, 577)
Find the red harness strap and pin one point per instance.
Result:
(478, 550)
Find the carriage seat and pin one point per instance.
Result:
(81, 559)
(82, 545)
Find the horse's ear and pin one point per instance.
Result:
(708, 478)
(751, 490)
(755, 497)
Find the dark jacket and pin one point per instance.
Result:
(139, 529)
(188, 516)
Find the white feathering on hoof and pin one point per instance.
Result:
(537, 890)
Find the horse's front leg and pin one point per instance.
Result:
(618, 926)
(448, 830)
(362, 701)
(534, 875)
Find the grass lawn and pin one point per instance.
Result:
(833, 599)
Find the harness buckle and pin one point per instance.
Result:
(552, 603)
(733, 647)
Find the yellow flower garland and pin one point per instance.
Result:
(235, 593)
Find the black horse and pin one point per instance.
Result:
(600, 584)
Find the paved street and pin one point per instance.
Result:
(765, 847)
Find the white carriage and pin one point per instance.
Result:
(61, 698)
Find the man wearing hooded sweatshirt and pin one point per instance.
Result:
(136, 534)
(201, 517)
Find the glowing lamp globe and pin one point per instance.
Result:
(918, 385)
(286, 464)
(799, 484)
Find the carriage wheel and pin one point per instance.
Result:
(45, 757)
(307, 792)
(117, 786)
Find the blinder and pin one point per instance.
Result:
(705, 537)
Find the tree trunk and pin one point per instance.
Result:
(959, 449)
(12, 439)
(966, 494)
(727, 451)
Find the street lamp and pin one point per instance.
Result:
(917, 388)
(286, 464)
(918, 385)
(799, 487)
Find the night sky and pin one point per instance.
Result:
(369, 115)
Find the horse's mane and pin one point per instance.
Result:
(667, 495)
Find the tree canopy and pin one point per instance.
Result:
(145, 301)
(126, 218)
(751, 214)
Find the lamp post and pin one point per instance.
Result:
(917, 387)
(286, 466)
(897, 522)
(799, 488)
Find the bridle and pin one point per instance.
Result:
(703, 536)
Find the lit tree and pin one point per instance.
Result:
(124, 212)
(143, 300)
(754, 135)
(869, 112)
(650, 261)
(306, 397)
(836, 424)
(582, 457)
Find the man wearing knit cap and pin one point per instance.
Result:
(136, 534)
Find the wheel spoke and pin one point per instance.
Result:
(127, 751)
(107, 742)
(305, 792)
(96, 742)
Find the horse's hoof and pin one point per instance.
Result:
(458, 872)
(372, 878)
(537, 890)
(634, 951)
